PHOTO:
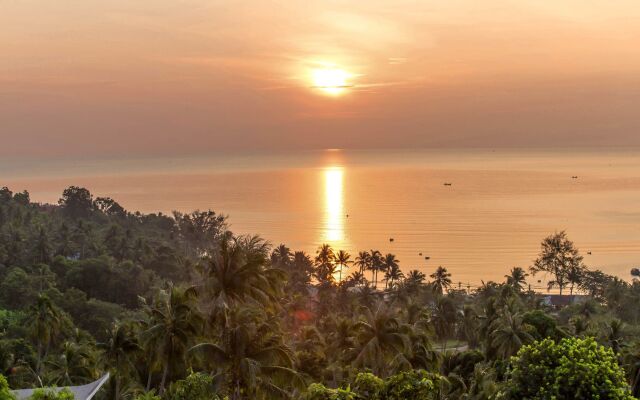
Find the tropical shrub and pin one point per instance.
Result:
(151, 395)
(410, 385)
(318, 391)
(5, 393)
(196, 386)
(50, 394)
(368, 386)
(571, 369)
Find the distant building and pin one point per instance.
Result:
(560, 301)
(84, 392)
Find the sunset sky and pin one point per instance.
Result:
(161, 77)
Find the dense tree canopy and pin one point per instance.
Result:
(178, 307)
(571, 369)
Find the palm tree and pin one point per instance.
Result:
(64, 240)
(508, 333)
(45, 326)
(375, 264)
(356, 278)
(443, 318)
(614, 333)
(632, 365)
(393, 275)
(441, 280)
(117, 352)
(301, 271)
(324, 254)
(392, 269)
(517, 278)
(251, 359)
(342, 259)
(174, 322)
(325, 264)
(82, 235)
(415, 277)
(74, 365)
(470, 326)
(237, 272)
(281, 256)
(341, 337)
(367, 296)
(413, 282)
(362, 261)
(483, 383)
(42, 247)
(579, 325)
(381, 341)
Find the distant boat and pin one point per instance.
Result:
(419, 254)
(574, 177)
(391, 239)
(347, 215)
(447, 183)
(427, 258)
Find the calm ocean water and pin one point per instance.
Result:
(498, 208)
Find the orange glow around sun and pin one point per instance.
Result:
(331, 81)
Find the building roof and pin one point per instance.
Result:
(84, 392)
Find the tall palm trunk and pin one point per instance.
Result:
(39, 360)
(149, 376)
(636, 384)
(117, 393)
(116, 377)
(165, 373)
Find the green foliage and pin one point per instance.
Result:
(368, 385)
(150, 395)
(411, 385)
(5, 393)
(318, 391)
(76, 202)
(258, 322)
(572, 369)
(50, 394)
(196, 386)
(408, 385)
(544, 325)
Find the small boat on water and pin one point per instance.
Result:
(447, 183)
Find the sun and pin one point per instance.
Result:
(330, 81)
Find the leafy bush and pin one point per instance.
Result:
(196, 386)
(318, 391)
(410, 385)
(5, 393)
(368, 386)
(571, 369)
(50, 394)
(151, 395)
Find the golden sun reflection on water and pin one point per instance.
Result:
(334, 205)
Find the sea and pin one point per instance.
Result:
(477, 212)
